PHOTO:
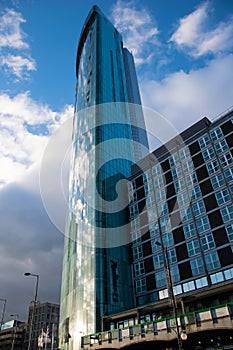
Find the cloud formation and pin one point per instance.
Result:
(25, 129)
(11, 34)
(183, 98)
(29, 242)
(18, 65)
(13, 39)
(138, 30)
(193, 36)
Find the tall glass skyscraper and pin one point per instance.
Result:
(107, 133)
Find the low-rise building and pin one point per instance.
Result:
(12, 335)
(44, 328)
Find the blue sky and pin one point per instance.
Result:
(183, 54)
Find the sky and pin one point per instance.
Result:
(183, 52)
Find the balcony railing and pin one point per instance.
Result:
(215, 317)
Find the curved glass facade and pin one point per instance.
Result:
(97, 278)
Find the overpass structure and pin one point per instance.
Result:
(206, 329)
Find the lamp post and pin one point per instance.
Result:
(3, 312)
(13, 341)
(34, 306)
(170, 290)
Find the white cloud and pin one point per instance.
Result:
(218, 40)
(183, 98)
(137, 28)
(11, 35)
(190, 27)
(18, 65)
(193, 35)
(21, 148)
(13, 38)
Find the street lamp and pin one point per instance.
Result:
(170, 289)
(3, 312)
(34, 306)
(13, 341)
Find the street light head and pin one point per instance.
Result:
(183, 335)
(158, 243)
(27, 274)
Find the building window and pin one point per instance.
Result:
(168, 239)
(184, 153)
(212, 260)
(155, 247)
(229, 174)
(176, 172)
(156, 170)
(222, 196)
(208, 154)
(162, 209)
(137, 252)
(183, 199)
(152, 215)
(177, 289)
(186, 214)
(140, 285)
(213, 167)
(148, 187)
(196, 192)
(193, 247)
(135, 224)
(226, 160)
(160, 278)
(188, 286)
(228, 274)
(217, 277)
(197, 266)
(158, 182)
(154, 229)
(199, 208)
(217, 181)
(160, 195)
(165, 224)
(158, 260)
(221, 147)
(207, 242)
(204, 142)
(227, 213)
(203, 224)
(133, 210)
(216, 134)
(150, 201)
(201, 282)
(191, 179)
(163, 294)
(171, 253)
(139, 268)
(175, 274)
(229, 230)
(188, 166)
(136, 237)
(146, 176)
(189, 230)
(179, 185)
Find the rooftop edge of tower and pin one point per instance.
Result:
(95, 10)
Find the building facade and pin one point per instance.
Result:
(13, 335)
(181, 215)
(182, 205)
(45, 321)
(107, 132)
